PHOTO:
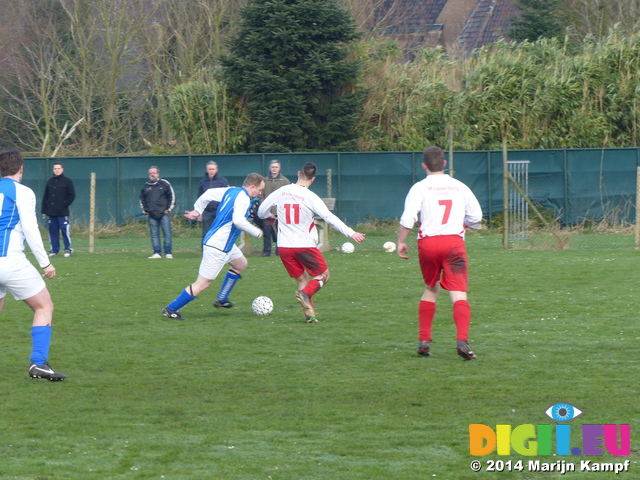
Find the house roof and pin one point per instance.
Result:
(412, 16)
(488, 21)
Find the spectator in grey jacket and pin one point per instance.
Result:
(273, 181)
(157, 200)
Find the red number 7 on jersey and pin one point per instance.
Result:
(447, 209)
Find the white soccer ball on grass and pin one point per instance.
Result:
(389, 247)
(347, 247)
(262, 306)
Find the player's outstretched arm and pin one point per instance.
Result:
(191, 215)
(358, 237)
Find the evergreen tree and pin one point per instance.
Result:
(289, 65)
(540, 18)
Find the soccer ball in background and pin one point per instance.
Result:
(389, 247)
(262, 306)
(347, 247)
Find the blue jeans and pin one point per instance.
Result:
(59, 225)
(154, 229)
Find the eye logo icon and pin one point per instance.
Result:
(562, 412)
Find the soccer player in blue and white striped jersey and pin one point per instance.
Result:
(18, 222)
(219, 244)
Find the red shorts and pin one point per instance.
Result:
(444, 255)
(297, 260)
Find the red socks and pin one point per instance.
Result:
(312, 287)
(426, 312)
(462, 319)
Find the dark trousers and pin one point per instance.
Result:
(207, 221)
(270, 234)
(59, 225)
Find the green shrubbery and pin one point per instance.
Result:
(537, 95)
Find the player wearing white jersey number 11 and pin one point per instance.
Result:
(445, 207)
(298, 236)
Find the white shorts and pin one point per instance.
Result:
(214, 260)
(20, 277)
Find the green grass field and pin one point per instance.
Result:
(232, 396)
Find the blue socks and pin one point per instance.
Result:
(41, 337)
(185, 297)
(180, 301)
(229, 282)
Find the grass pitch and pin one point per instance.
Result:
(229, 395)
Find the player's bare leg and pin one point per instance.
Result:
(42, 307)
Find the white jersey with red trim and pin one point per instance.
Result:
(296, 206)
(443, 205)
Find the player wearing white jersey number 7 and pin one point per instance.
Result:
(445, 207)
(18, 222)
(298, 235)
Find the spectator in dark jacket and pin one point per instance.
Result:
(211, 180)
(58, 195)
(157, 200)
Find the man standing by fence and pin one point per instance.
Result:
(157, 200)
(211, 179)
(274, 181)
(445, 207)
(58, 195)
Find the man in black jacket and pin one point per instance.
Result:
(157, 200)
(211, 179)
(58, 195)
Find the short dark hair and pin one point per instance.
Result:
(10, 162)
(58, 163)
(433, 158)
(308, 171)
(253, 179)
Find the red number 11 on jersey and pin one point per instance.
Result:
(295, 209)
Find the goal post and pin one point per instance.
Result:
(517, 213)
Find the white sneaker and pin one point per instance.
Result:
(156, 255)
(168, 255)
